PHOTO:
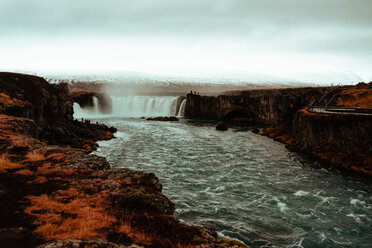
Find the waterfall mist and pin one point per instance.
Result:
(135, 106)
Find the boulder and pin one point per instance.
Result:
(161, 118)
(255, 130)
(221, 126)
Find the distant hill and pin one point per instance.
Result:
(131, 83)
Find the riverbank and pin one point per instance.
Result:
(52, 189)
(340, 140)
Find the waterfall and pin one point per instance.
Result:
(88, 111)
(132, 106)
(95, 105)
(181, 111)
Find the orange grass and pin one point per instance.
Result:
(135, 235)
(40, 179)
(46, 169)
(35, 156)
(25, 172)
(7, 100)
(361, 98)
(6, 164)
(56, 156)
(70, 214)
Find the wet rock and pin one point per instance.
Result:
(165, 118)
(137, 191)
(221, 126)
(75, 158)
(255, 130)
(77, 243)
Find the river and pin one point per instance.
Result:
(244, 185)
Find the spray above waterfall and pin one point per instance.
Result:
(135, 106)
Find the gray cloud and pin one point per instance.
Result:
(335, 27)
(190, 17)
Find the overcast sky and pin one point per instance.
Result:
(287, 38)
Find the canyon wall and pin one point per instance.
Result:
(34, 98)
(315, 132)
(50, 107)
(269, 107)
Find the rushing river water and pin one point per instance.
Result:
(244, 185)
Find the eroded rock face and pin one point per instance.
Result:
(138, 191)
(51, 109)
(42, 101)
(333, 132)
(269, 107)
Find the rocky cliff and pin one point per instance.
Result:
(318, 132)
(270, 107)
(343, 140)
(50, 107)
(34, 98)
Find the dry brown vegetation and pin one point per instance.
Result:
(361, 98)
(7, 164)
(7, 100)
(348, 161)
(56, 156)
(35, 156)
(70, 214)
(24, 172)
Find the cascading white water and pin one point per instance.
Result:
(132, 106)
(181, 111)
(137, 106)
(86, 112)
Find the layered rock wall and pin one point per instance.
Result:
(316, 132)
(50, 106)
(270, 107)
(37, 99)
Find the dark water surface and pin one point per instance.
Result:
(244, 185)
